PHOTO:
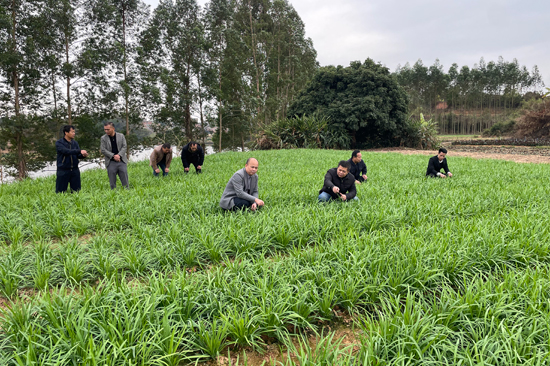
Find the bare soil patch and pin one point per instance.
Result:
(518, 154)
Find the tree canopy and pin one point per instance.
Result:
(363, 98)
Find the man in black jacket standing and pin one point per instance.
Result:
(358, 167)
(68, 153)
(437, 163)
(192, 153)
(338, 184)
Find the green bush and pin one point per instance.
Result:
(500, 128)
(421, 134)
(301, 132)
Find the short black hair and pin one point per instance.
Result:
(166, 146)
(67, 128)
(345, 164)
(354, 153)
(193, 143)
(105, 124)
(442, 150)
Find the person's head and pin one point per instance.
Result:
(251, 166)
(166, 148)
(109, 128)
(193, 146)
(69, 132)
(356, 156)
(441, 154)
(343, 169)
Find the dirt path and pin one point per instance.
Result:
(512, 153)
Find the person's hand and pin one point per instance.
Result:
(258, 202)
(199, 167)
(365, 177)
(253, 207)
(157, 170)
(166, 170)
(84, 153)
(343, 197)
(336, 189)
(116, 157)
(186, 170)
(450, 174)
(357, 182)
(442, 175)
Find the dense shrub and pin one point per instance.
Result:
(421, 134)
(363, 99)
(500, 128)
(534, 121)
(301, 132)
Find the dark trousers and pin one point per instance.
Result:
(117, 168)
(161, 166)
(195, 164)
(241, 204)
(66, 177)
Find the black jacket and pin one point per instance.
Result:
(188, 157)
(357, 170)
(434, 166)
(346, 184)
(68, 154)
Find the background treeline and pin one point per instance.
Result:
(236, 64)
(467, 100)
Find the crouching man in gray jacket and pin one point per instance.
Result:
(242, 189)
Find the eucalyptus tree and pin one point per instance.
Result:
(113, 28)
(170, 55)
(23, 133)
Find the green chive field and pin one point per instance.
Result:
(431, 271)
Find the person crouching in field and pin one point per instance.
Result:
(242, 189)
(358, 167)
(192, 153)
(161, 157)
(339, 184)
(437, 163)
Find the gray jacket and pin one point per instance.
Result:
(236, 188)
(107, 149)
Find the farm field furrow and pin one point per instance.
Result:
(433, 271)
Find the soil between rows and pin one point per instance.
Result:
(518, 154)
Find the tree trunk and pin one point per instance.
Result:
(188, 124)
(220, 131)
(126, 96)
(253, 44)
(203, 132)
(69, 112)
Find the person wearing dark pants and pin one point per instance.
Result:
(339, 184)
(192, 153)
(242, 189)
(161, 157)
(438, 162)
(113, 147)
(68, 153)
(358, 167)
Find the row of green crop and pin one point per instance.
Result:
(32, 212)
(416, 310)
(521, 236)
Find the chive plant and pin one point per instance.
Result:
(434, 271)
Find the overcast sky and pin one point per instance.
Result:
(398, 31)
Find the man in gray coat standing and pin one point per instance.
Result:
(113, 147)
(242, 189)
